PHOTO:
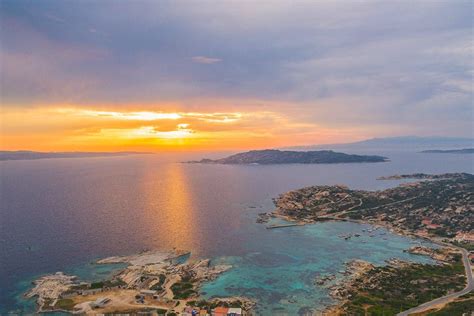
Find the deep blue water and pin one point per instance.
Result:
(61, 214)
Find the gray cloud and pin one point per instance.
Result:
(205, 60)
(376, 63)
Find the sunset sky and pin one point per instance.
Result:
(214, 75)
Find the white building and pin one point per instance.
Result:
(234, 312)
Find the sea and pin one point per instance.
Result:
(63, 214)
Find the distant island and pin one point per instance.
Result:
(401, 143)
(273, 156)
(450, 151)
(32, 155)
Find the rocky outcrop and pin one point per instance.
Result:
(354, 270)
(49, 288)
(441, 254)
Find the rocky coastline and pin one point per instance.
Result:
(439, 210)
(367, 288)
(159, 281)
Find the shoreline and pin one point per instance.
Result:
(152, 280)
(295, 221)
(330, 308)
(314, 204)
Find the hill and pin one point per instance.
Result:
(273, 156)
(402, 143)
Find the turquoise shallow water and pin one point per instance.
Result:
(281, 270)
(85, 272)
(61, 214)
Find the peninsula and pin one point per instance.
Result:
(153, 282)
(441, 207)
(273, 156)
(436, 207)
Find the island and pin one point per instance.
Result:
(274, 156)
(153, 282)
(439, 208)
(33, 155)
(449, 151)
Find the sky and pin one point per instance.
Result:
(227, 75)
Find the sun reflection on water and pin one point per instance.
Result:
(171, 208)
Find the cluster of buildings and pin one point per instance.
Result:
(464, 237)
(428, 224)
(140, 298)
(218, 311)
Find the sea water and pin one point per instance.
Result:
(63, 214)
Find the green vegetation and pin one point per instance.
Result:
(97, 285)
(160, 311)
(442, 232)
(65, 303)
(183, 290)
(203, 304)
(441, 206)
(354, 215)
(159, 286)
(78, 287)
(468, 295)
(114, 283)
(144, 311)
(236, 304)
(107, 284)
(459, 307)
(389, 290)
(273, 156)
(469, 246)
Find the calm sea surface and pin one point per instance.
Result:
(61, 214)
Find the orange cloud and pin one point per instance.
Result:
(74, 128)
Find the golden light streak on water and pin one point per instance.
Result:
(171, 201)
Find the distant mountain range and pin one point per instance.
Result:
(450, 151)
(403, 143)
(273, 156)
(31, 155)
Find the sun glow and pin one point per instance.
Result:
(218, 117)
(71, 128)
(150, 132)
(138, 116)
